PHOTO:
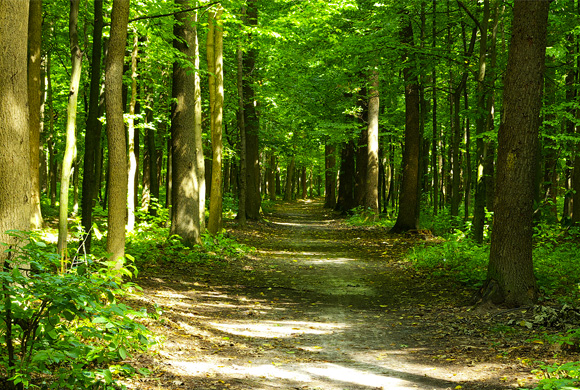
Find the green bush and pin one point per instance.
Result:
(64, 331)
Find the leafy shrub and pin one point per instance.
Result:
(556, 377)
(461, 258)
(68, 329)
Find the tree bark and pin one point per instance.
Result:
(34, 103)
(70, 148)
(289, 180)
(216, 85)
(14, 129)
(253, 197)
(345, 201)
(242, 128)
(131, 138)
(409, 199)
(93, 131)
(510, 276)
(372, 175)
(185, 184)
(330, 176)
(117, 191)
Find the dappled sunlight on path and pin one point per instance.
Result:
(315, 308)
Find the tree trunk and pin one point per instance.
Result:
(242, 128)
(303, 183)
(131, 138)
(70, 148)
(14, 129)
(253, 197)
(216, 91)
(289, 180)
(409, 199)
(117, 183)
(345, 201)
(272, 178)
(34, 103)
(330, 176)
(372, 175)
(93, 131)
(510, 276)
(185, 186)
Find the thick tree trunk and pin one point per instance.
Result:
(93, 131)
(117, 183)
(34, 102)
(185, 186)
(510, 277)
(70, 148)
(409, 197)
(372, 175)
(216, 85)
(14, 129)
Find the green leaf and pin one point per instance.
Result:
(122, 353)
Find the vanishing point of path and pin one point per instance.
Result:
(320, 305)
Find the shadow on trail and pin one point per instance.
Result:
(315, 309)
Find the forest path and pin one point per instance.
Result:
(320, 305)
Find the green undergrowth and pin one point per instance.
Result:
(150, 243)
(66, 330)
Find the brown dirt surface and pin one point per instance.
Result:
(324, 305)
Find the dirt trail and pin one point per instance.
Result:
(320, 306)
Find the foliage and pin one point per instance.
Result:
(559, 377)
(458, 257)
(150, 243)
(361, 217)
(69, 329)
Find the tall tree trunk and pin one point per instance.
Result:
(131, 138)
(510, 275)
(345, 200)
(272, 178)
(253, 197)
(34, 103)
(242, 128)
(289, 180)
(93, 131)
(372, 174)
(70, 148)
(216, 85)
(330, 176)
(199, 156)
(185, 185)
(409, 197)
(14, 129)
(435, 140)
(117, 183)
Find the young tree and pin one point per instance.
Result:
(14, 130)
(34, 103)
(71, 124)
(510, 275)
(216, 96)
(132, 140)
(116, 131)
(186, 216)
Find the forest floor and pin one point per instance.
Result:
(324, 305)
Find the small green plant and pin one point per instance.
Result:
(559, 377)
(64, 330)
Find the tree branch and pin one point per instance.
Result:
(460, 3)
(173, 13)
